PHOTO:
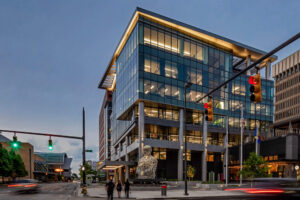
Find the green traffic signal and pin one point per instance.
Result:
(50, 145)
(15, 143)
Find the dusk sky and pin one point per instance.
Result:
(53, 54)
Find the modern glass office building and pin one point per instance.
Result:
(147, 73)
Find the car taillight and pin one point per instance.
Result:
(30, 185)
(15, 185)
(264, 191)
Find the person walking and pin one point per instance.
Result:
(127, 188)
(119, 189)
(110, 189)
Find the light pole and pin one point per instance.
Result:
(186, 86)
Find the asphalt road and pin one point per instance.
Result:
(48, 191)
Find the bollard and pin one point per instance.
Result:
(163, 190)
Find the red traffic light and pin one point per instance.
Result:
(252, 80)
(205, 105)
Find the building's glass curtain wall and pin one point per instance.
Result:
(127, 76)
(168, 59)
(155, 64)
(126, 86)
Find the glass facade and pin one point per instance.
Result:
(168, 59)
(155, 64)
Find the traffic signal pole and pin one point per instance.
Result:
(61, 136)
(84, 191)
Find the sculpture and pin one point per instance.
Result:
(147, 165)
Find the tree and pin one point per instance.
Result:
(74, 175)
(191, 171)
(254, 167)
(88, 170)
(5, 163)
(18, 166)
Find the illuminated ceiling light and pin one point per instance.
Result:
(152, 86)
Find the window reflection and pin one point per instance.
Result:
(171, 69)
(151, 65)
(172, 42)
(162, 113)
(238, 89)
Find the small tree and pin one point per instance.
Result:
(18, 166)
(5, 163)
(88, 170)
(191, 172)
(254, 167)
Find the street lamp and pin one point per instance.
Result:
(186, 86)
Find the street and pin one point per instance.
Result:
(57, 191)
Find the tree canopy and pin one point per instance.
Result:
(11, 164)
(88, 170)
(254, 167)
(5, 162)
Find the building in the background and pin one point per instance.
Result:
(40, 168)
(281, 153)
(104, 127)
(93, 164)
(287, 95)
(25, 150)
(147, 74)
(58, 164)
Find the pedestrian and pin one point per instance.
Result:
(119, 189)
(110, 189)
(127, 188)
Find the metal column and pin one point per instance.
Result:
(204, 153)
(241, 149)
(141, 128)
(180, 151)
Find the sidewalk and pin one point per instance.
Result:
(100, 192)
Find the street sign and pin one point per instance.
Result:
(88, 150)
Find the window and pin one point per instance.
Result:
(151, 65)
(175, 92)
(193, 50)
(188, 155)
(199, 55)
(186, 48)
(171, 69)
(147, 35)
(193, 96)
(238, 89)
(168, 90)
(160, 153)
(210, 158)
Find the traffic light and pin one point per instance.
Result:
(209, 111)
(15, 143)
(50, 145)
(255, 88)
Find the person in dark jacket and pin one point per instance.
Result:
(119, 189)
(127, 188)
(110, 189)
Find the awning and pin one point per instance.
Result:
(113, 165)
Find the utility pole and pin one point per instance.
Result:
(241, 152)
(226, 153)
(84, 191)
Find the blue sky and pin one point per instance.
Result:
(53, 54)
